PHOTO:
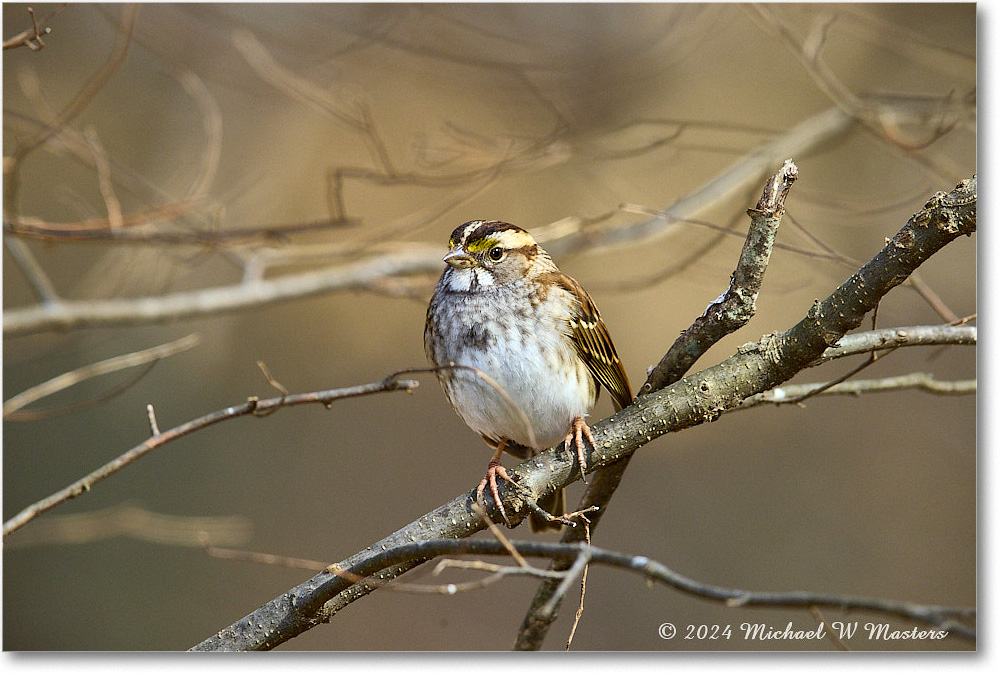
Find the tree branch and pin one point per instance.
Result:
(32, 37)
(559, 239)
(920, 381)
(574, 554)
(253, 406)
(737, 305)
(698, 398)
(726, 314)
(68, 315)
(892, 338)
(60, 382)
(83, 98)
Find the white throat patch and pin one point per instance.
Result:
(462, 280)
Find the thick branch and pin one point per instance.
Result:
(698, 398)
(726, 314)
(737, 305)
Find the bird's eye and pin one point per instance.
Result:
(496, 254)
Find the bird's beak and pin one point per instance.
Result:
(458, 258)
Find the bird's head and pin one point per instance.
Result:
(488, 253)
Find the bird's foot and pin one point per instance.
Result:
(574, 438)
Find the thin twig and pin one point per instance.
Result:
(79, 103)
(111, 365)
(561, 238)
(99, 229)
(251, 406)
(36, 414)
(32, 37)
(583, 593)
(211, 117)
(872, 358)
(917, 283)
(138, 523)
(837, 642)
(213, 551)
(154, 428)
(793, 393)
(33, 272)
(668, 217)
(274, 383)
(499, 535)
(104, 180)
(497, 572)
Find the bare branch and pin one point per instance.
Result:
(559, 238)
(729, 312)
(568, 236)
(111, 365)
(32, 37)
(939, 617)
(497, 572)
(212, 122)
(134, 232)
(737, 304)
(791, 393)
(127, 520)
(104, 182)
(293, 85)
(79, 103)
(884, 121)
(583, 594)
(96, 228)
(39, 280)
(918, 284)
(67, 314)
(154, 428)
(253, 406)
(697, 398)
(891, 338)
(36, 414)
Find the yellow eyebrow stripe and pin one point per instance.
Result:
(481, 245)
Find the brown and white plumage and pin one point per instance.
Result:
(504, 309)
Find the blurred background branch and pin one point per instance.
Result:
(278, 177)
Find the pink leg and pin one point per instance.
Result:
(495, 469)
(575, 437)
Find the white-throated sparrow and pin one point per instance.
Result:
(509, 320)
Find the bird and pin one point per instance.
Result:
(520, 351)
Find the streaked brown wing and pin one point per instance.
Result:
(596, 348)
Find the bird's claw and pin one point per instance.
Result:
(495, 469)
(575, 439)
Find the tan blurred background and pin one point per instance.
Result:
(555, 111)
